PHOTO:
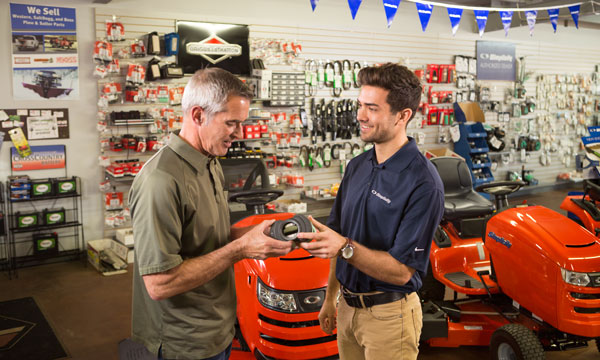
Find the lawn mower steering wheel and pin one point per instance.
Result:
(256, 198)
(500, 190)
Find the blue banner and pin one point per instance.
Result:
(481, 16)
(454, 14)
(390, 7)
(553, 14)
(531, 15)
(41, 17)
(575, 14)
(506, 17)
(495, 60)
(313, 4)
(354, 5)
(424, 11)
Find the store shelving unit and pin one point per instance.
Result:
(5, 257)
(70, 235)
(473, 147)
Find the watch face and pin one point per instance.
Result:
(347, 252)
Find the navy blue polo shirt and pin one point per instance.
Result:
(394, 206)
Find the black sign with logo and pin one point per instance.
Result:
(495, 60)
(204, 45)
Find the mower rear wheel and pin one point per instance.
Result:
(515, 342)
(431, 289)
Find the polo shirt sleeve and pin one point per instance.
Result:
(415, 233)
(157, 226)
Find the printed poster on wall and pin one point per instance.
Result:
(44, 52)
(41, 158)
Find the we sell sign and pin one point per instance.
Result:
(41, 17)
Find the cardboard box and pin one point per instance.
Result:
(431, 153)
(471, 111)
(93, 254)
(125, 236)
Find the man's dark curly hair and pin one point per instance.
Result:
(404, 86)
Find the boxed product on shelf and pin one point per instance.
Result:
(41, 187)
(65, 185)
(94, 249)
(26, 219)
(20, 187)
(53, 216)
(45, 244)
(125, 236)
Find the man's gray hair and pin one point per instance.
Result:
(211, 88)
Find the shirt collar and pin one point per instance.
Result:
(400, 159)
(188, 153)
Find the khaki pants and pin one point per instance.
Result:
(387, 331)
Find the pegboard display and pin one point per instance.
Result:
(329, 58)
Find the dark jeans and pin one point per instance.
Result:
(222, 356)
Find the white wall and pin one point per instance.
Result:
(569, 50)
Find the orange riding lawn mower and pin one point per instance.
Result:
(525, 279)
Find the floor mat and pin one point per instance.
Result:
(25, 333)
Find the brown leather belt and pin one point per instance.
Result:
(371, 300)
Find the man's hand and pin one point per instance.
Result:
(327, 317)
(256, 244)
(328, 243)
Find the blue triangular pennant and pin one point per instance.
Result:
(454, 14)
(531, 15)
(553, 14)
(390, 7)
(313, 3)
(575, 14)
(424, 11)
(481, 16)
(506, 17)
(354, 5)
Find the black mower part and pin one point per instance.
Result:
(287, 230)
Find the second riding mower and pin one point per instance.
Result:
(525, 278)
(278, 299)
(582, 207)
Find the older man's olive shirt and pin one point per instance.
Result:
(179, 212)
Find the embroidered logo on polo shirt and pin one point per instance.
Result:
(381, 196)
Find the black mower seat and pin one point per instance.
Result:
(460, 200)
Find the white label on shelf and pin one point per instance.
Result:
(66, 186)
(28, 220)
(55, 217)
(46, 244)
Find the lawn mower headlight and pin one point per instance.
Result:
(276, 300)
(575, 278)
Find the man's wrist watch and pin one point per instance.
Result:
(348, 250)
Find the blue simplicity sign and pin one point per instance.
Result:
(495, 60)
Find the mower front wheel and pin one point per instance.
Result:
(515, 341)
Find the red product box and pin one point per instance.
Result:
(433, 73)
(256, 128)
(451, 73)
(420, 74)
(264, 128)
(432, 118)
(113, 200)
